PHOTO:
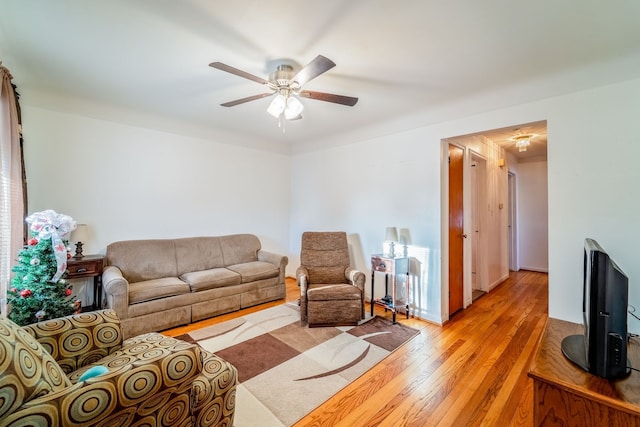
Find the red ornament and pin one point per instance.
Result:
(68, 255)
(25, 293)
(33, 241)
(68, 292)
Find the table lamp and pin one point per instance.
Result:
(392, 237)
(80, 235)
(405, 239)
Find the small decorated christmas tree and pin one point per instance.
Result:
(38, 289)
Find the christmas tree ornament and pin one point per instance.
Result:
(40, 314)
(34, 261)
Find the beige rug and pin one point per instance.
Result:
(285, 370)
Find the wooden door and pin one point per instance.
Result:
(456, 230)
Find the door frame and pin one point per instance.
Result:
(514, 260)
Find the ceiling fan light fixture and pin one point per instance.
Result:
(286, 84)
(277, 106)
(293, 109)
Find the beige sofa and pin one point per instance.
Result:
(160, 284)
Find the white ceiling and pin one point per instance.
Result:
(411, 62)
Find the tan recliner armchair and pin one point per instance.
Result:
(331, 292)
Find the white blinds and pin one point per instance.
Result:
(11, 201)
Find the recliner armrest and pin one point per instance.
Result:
(355, 277)
(302, 278)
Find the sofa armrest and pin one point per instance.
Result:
(280, 260)
(116, 289)
(216, 383)
(80, 339)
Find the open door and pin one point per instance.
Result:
(513, 235)
(456, 228)
(477, 224)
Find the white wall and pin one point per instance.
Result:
(135, 183)
(130, 183)
(532, 211)
(365, 187)
(594, 146)
(396, 179)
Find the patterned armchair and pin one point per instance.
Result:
(331, 292)
(150, 380)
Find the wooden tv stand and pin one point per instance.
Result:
(566, 395)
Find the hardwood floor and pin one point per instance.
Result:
(470, 372)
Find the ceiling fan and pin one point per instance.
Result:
(287, 87)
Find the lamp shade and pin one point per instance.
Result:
(277, 106)
(293, 109)
(392, 234)
(405, 236)
(81, 233)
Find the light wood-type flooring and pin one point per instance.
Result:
(470, 372)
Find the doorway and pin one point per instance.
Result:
(496, 247)
(477, 186)
(514, 265)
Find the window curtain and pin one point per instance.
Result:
(12, 191)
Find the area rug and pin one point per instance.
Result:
(286, 370)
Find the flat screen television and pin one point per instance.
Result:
(602, 349)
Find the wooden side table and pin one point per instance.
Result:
(88, 266)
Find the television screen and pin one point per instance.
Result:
(602, 350)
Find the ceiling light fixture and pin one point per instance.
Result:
(522, 142)
(285, 105)
(287, 88)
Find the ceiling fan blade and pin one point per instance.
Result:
(329, 97)
(247, 99)
(232, 70)
(313, 69)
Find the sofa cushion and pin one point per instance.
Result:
(141, 260)
(175, 359)
(210, 279)
(239, 248)
(197, 254)
(157, 288)
(255, 270)
(78, 340)
(28, 371)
